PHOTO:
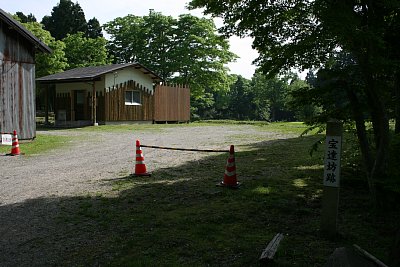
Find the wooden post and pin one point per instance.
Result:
(330, 196)
(46, 103)
(94, 110)
(72, 95)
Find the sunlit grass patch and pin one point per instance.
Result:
(262, 190)
(299, 183)
(41, 144)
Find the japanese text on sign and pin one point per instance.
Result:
(6, 139)
(332, 161)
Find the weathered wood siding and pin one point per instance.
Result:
(17, 84)
(63, 102)
(100, 111)
(172, 103)
(116, 110)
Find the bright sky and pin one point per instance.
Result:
(105, 11)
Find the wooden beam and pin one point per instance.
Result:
(269, 252)
(369, 256)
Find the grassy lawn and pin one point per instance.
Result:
(178, 217)
(41, 144)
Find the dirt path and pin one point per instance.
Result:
(85, 168)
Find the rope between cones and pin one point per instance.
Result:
(186, 149)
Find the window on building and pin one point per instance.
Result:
(132, 98)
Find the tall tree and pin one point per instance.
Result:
(25, 18)
(54, 62)
(305, 34)
(186, 50)
(66, 18)
(47, 64)
(158, 34)
(81, 51)
(241, 100)
(305, 110)
(94, 29)
(269, 97)
(127, 42)
(201, 55)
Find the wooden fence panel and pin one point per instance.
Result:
(116, 110)
(172, 103)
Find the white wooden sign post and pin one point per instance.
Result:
(330, 196)
(6, 139)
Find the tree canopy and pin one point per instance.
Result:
(66, 18)
(54, 62)
(186, 50)
(94, 29)
(306, 34)
(25, 18)
(81, 51)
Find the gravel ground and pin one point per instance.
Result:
(32, 188)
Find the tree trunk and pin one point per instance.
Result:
(273, 114)
(362, 139)
(361, 129)
(380, 123)
(397, 102)
(395, 251)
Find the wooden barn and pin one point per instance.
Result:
(17, 77)
(122, 93)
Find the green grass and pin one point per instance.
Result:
(127, 128)
(178, 217)
(41, 144)
(281, 127)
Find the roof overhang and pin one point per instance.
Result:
(72, 80)
(90, 74)
(15, 25)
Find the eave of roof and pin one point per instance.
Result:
(4, 16)
(93, 73)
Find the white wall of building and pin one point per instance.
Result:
(127, 74)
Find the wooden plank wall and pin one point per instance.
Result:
(172, 103)
(100, 110)
(63, 102)
(116, 110)
(17, 84)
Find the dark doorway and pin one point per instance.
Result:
(79, 104)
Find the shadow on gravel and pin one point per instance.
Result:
(178, 217)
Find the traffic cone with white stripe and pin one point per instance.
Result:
(140, 167)
(230, 171)
(15, 145)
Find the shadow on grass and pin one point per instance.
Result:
(178, 217)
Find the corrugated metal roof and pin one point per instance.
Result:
(4, 16)
(92, 73)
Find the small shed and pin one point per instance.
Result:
(121, 93)
(17, 77)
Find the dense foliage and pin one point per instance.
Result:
(68, 17)
(307, 34)
(47, 64)
(84, 52)
(186, 50)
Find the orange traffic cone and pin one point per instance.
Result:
(15, 145)
(140, 167)
(230, 171)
